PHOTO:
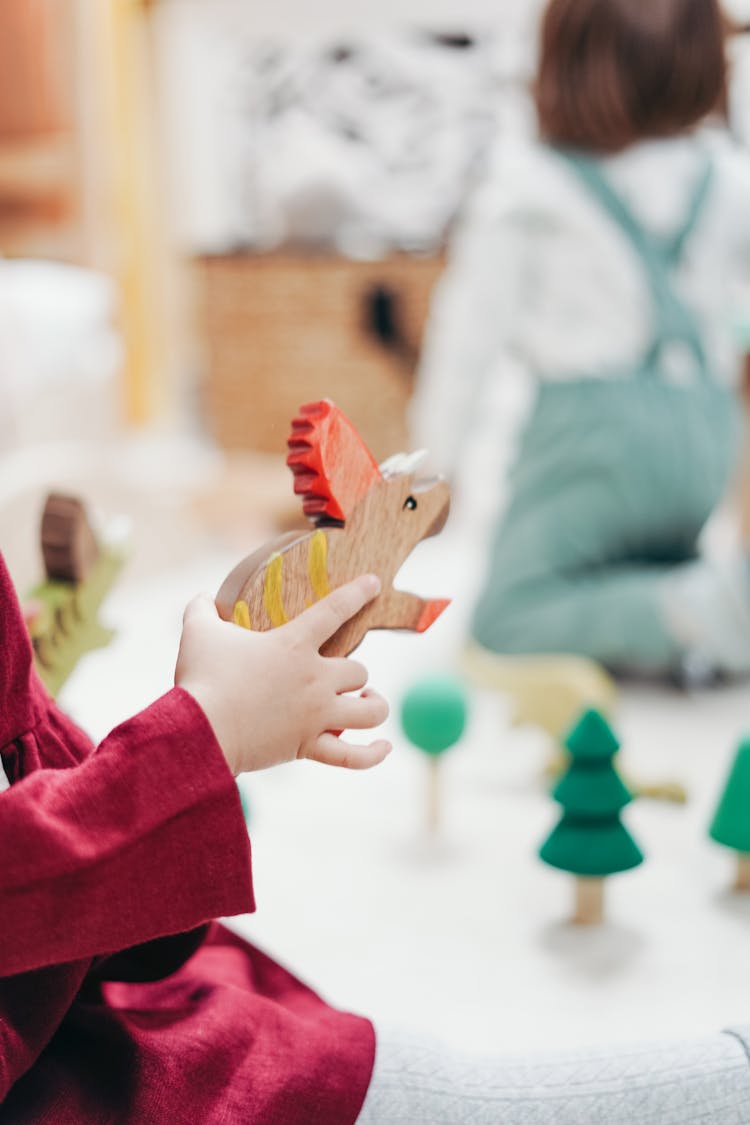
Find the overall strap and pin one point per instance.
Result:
(674, 322)
(673, 245)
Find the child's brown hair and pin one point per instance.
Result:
(612, 72)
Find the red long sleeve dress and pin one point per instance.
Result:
(120, 999)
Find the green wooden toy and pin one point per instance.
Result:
(79, 574)
(590, 840)
(433, 716)
(731, 823)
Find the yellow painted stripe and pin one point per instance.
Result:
(241, 615)
(318, 564)
(272, 598)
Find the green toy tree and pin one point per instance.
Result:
(433, 715)
(590, 840)
(731, 823)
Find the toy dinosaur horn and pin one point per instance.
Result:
(402, 463)
(333, 468)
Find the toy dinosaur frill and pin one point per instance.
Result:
(367, 519)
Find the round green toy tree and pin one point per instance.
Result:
(433, 715)
(590, 840)
(731, 823)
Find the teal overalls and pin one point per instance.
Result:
(614, 481)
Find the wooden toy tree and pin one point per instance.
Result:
(590, 840)
(731, 823)
(433, 715)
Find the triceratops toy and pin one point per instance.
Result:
(367, 518)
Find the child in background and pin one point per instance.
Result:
(600, 263)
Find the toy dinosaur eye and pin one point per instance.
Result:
(410, 503)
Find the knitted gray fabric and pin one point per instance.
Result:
(695, 1082)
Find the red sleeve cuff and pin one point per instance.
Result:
(144, 839)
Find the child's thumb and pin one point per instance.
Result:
(201, 607)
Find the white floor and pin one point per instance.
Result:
(463, 936)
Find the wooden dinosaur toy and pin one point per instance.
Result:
(366, 518)
(62, 611)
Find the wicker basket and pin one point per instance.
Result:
(283, 330)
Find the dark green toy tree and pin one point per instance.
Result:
(590, 840)
(731, 823)
(433, 715)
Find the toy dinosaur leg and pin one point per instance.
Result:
(396, 609)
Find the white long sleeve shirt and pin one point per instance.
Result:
(543, 284)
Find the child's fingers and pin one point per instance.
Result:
(323, 618)
(332, 751)
(368, 710)
(348, 675)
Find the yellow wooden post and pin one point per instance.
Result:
(114, 49)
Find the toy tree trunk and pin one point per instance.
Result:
(589, 902)
(433, 794)
(433, 715)
(742, 880)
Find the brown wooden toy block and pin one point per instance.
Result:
(69, 546)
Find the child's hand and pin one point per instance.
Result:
(271, 697)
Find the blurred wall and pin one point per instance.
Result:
(300, 18)
(201, 49)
